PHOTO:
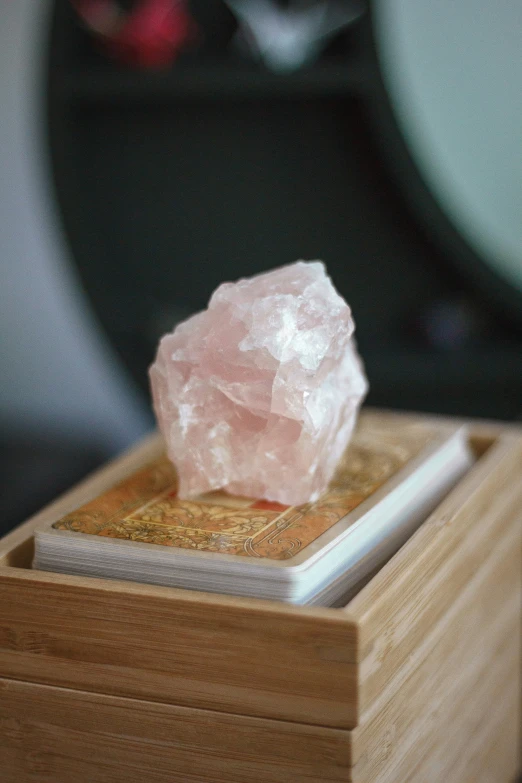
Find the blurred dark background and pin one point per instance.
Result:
(131, 192)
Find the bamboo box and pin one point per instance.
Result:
(416, 679)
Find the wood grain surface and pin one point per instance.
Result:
(463, 649)
(463, 736)
(58, 734)
(395, 611)
(249, 657)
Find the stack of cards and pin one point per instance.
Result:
(390, 478)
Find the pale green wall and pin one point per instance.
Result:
(454, 70)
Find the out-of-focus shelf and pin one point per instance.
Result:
(482, 366)
(109, 84)
(474, 382)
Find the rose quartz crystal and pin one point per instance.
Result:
(259, 393)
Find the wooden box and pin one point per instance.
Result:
(416, 679)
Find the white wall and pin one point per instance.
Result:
(454, 70)
(57, 371)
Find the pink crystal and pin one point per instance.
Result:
(258, 394)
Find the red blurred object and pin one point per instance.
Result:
(151, 35)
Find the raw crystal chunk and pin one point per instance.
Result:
(258, 394)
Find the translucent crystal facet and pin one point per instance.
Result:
(259, 394)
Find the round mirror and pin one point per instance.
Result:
(453, 72)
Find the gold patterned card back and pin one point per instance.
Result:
(145, 507)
